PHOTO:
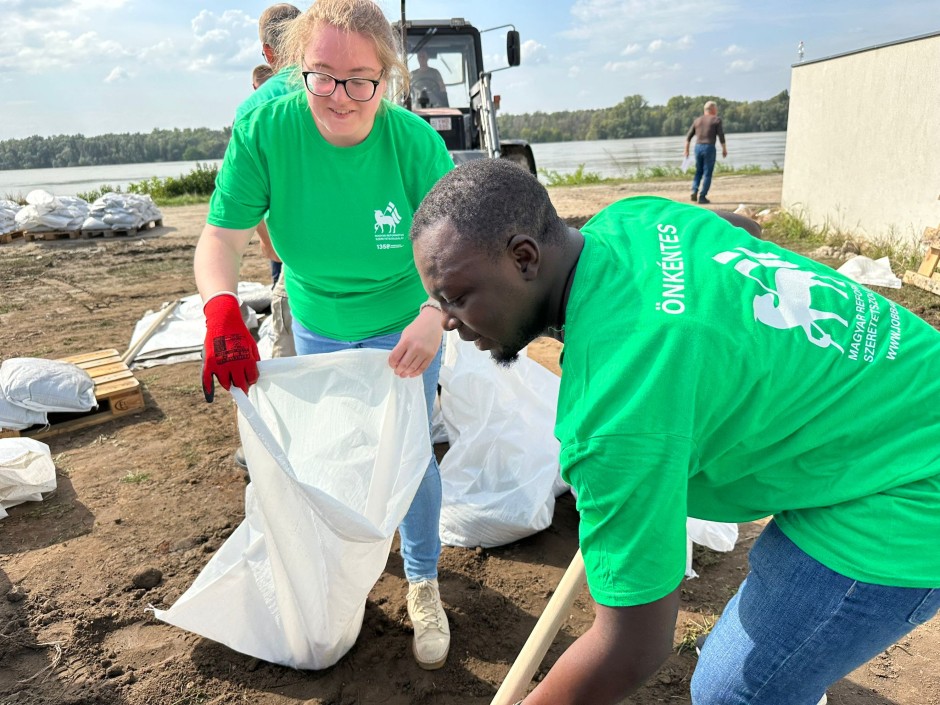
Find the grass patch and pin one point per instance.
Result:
(135, 478)
(663, 172)
(692, 630)
(579, 177)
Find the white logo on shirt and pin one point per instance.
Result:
(789, 303)
(389, 217)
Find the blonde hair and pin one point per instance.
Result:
(360, 16)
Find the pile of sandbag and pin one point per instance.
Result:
(26, 472)
(31, 387)
(44, 212)
(8, 211)
(121, 211)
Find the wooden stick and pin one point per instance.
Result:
(128, 357)
(540, 640)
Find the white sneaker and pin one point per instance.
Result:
(432, 632)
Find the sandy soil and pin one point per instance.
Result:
(74, 629)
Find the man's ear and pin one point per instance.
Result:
(269, 54)
(526, 255)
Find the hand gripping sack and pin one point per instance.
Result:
(337, 446)
(500, 474)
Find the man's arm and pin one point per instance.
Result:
(688, 139)
(721, 138)
(623, 648)
(267, 249)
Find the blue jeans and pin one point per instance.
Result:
(795, 627)
(705, 155)
(420, 529)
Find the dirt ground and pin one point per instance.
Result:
(158, 489)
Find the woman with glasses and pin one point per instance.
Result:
(339, 171)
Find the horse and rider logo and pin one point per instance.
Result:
(389, 217)
(788, 303)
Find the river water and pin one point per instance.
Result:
(609, 158)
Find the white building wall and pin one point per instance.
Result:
(863, 141)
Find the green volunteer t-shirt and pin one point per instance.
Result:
(710, 374)
(281, 83)
(338, 217)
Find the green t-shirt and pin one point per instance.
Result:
(338, 217)
(281, 83)
(710, 374)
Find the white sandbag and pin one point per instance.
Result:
(47, 385)
(26, 471)
(337, 446)
(716, 535)
(499, 475)
(14, 417)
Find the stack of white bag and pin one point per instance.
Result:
(45, 212)
(8, 211)
(337, 446)
(121, 211)
(31, 387)
(26, 471)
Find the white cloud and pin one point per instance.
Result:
(685, 42)
(631, 49)
(533, 52)
(741, 66)
(732, 50)
(606, 23)
(118, 74)
(574, 71)
(655, 46)
(225, 41)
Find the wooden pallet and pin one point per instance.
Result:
(117, 390)
(927, 277)
(11, 236)
(84, 234)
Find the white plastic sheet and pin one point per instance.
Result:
(26, 471)
(871, 272)
(337, 446)
(501, 474)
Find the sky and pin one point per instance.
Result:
(100, 66)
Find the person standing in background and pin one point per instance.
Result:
(260, 74)
(706, 128)
(271, 27)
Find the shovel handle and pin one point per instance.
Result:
(543, 634)
(128, 357)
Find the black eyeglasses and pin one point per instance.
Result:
(323, 85)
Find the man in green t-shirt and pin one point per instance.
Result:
(708, 373)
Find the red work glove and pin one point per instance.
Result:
(229, 353)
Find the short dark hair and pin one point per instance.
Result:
(487, 201)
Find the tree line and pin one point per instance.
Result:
(632, 117)
(126, 148)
